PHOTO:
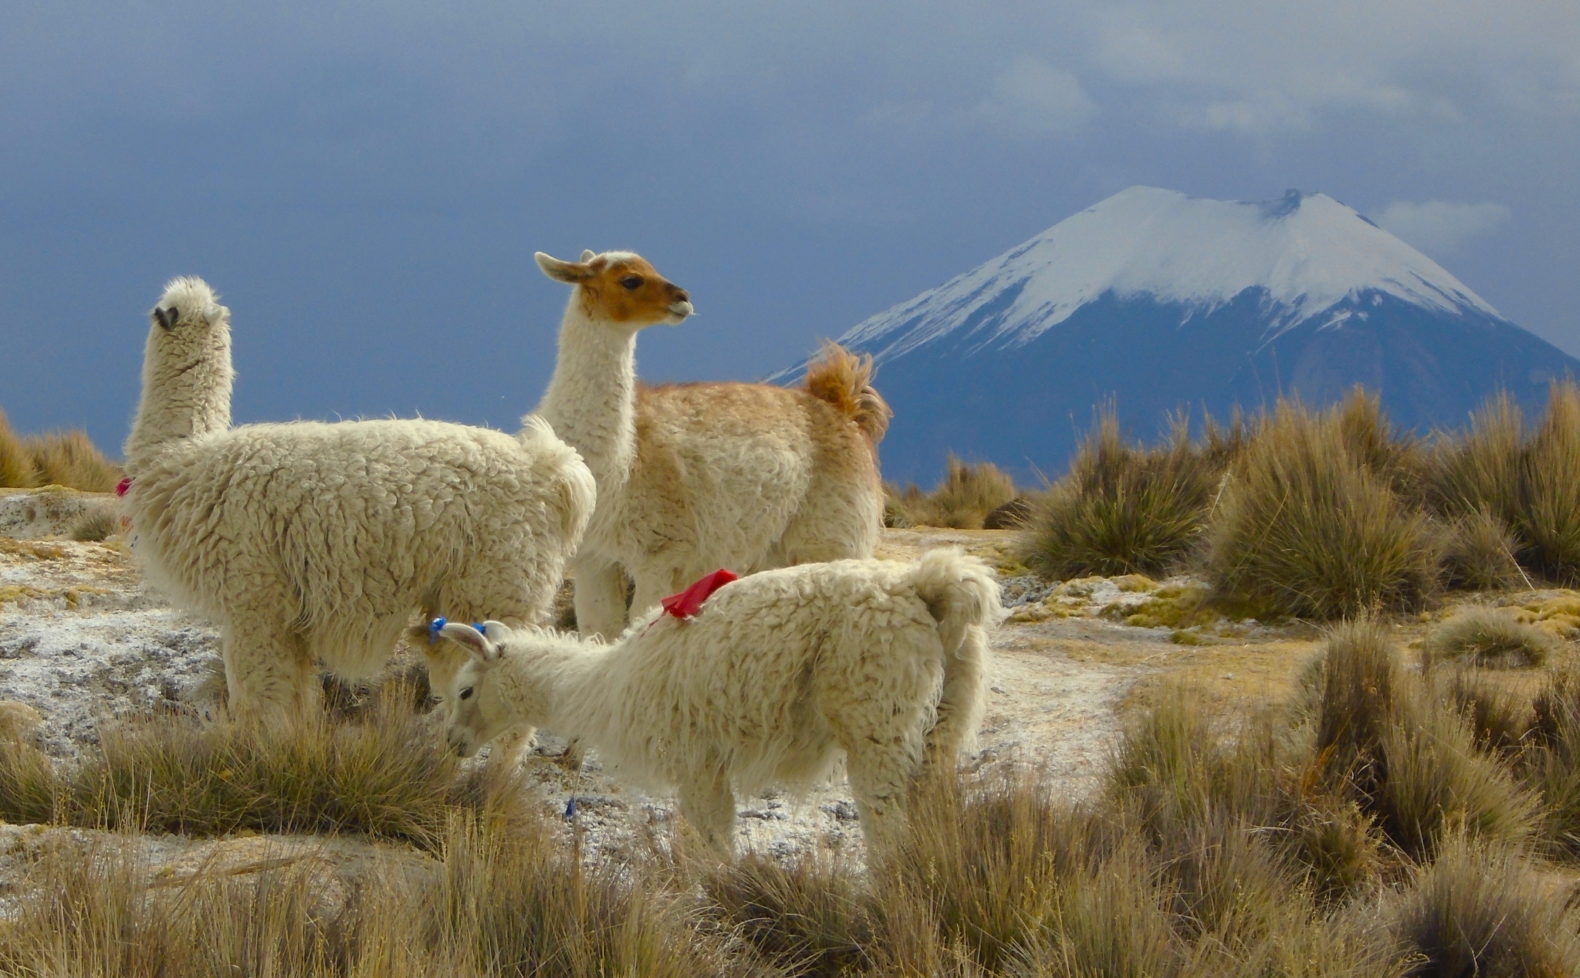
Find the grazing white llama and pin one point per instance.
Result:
(310, 542)
(774, 677)
(697, 476)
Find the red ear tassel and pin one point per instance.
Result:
(123, 485)
(687, 603)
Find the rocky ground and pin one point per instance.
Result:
(82, 643)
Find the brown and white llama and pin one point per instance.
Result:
(693, 477)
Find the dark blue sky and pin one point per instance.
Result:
(365, 183)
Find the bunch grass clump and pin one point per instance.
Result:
(1126, 509)
(491, 899)
(1477, 909)
(386, 776)
(1384, 743)
(1490, 638)
(1478, 553)
(1521, 478)
(69, 458)
(1549, 521)
(969, 491)
(17, 470)
(61, 458)
(1311, 526)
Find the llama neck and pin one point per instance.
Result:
(590, 397)
(186, 392)
(564, 685)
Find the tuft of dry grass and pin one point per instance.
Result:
(1478, 553)
(1484, 910)
(1479, 471)
(1549, 520)
(68, 458)
(95, 525)
(17, 470)
(386, 775)
(1125, 509)
(1308, 526)
(1491, 638)
(968, 492)
(1383, 743)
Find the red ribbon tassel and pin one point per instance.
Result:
(687, 603)
(122, 486)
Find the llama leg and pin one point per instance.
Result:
(880, 779)
(709, 805)
(961, 703)
(268, 673)
(599, 597)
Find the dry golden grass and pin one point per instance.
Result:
(68, 458)
(1124, 508)
(16, 462)
(968, 492)
(1310, 525)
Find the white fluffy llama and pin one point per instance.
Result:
(693, 477)
(310, 542)
(776, 676)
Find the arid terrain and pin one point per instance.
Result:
(82, 642)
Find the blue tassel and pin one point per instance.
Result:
(570, 807)
(434, 627)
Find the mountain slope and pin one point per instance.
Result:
(1161, 302)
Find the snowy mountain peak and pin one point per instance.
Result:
(1306, 252)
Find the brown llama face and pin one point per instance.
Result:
(619, 287)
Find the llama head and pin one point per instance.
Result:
(620, 288)
(189, 303)
(474, 708)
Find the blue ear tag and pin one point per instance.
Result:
(434, 628)
(570, 807)
(481, 626)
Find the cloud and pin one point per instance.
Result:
(1029, 97)
(1245, 65)
(1442, 227)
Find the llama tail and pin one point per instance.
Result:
(963, 598)
(844, 379)
(578, 493)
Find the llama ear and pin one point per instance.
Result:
(475, 642)
(563, 271)
(588, 255)
(494, 631)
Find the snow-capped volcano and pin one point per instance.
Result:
(1163, 302)
(1307, 252)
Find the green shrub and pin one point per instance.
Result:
(1124, 509)
(1306, 527)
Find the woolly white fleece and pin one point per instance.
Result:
(311, 542)
(777, 675)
